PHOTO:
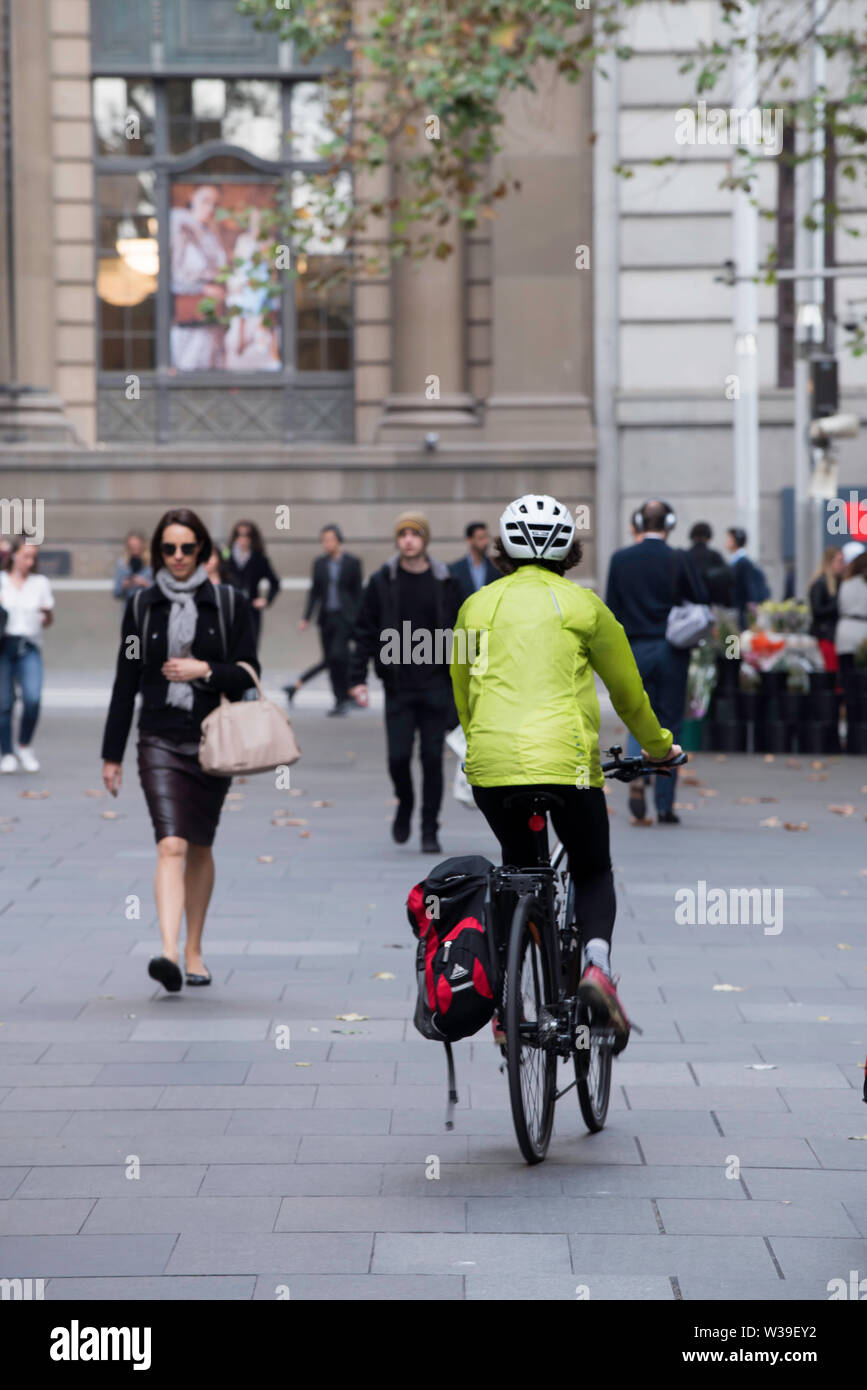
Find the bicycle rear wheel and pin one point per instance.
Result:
(531, 1066)
(593, 1078)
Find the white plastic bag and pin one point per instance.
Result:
(463, 792)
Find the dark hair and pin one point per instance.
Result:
(257, 545)
(474, 526)
(332, 526)
(856, 567)
(180, 516)
(739, 536)
(701, 532)
(507, 564)
(17, 543)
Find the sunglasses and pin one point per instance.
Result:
(188, 548)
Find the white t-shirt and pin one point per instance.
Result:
(23, 605)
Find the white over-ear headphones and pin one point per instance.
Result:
(669, 523)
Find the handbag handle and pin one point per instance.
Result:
(224, 699)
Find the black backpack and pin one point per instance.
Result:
(449, 913)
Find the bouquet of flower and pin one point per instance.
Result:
(701, 680)
(788, 617)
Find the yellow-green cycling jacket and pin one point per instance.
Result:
(525, 649)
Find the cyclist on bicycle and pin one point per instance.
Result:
(525, 650)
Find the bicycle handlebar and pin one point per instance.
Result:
(627, 769)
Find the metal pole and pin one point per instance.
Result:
(816, 508)
(606, 314)
(9, 190)
(745, 226)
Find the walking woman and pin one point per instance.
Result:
(28, 604)
(179, 644)
(249, 569)
(852, 605)
(823, 604)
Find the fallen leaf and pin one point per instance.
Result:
(771, 821)
(769, 798)
(863, 790)
(708, 791)
(747, 801)
(303, 1064)
(399, 946)
(266, 859)
(33, 796)
(94, 791)
(720, 757)
(823, 1018)
(841, 946)
(796, 825)
(611, 811)
(818, 777)
(351, 1018)
(863, 873)
(634, 820)
(858, 1136)
(842, 810)
(383, 975)
(761, 1066)
(312, 1030)
(770, 757)
(303, 834)
(234, 796)
(109, 815)
(293, 820)
(730, 989)
(296, 791)
(323, 803)
(241, 781)
(684, 805)
(689, 779)
(817, 762)
(793, 762)
(349, 1030)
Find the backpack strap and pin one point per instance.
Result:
(226, 614)
(453, 1094)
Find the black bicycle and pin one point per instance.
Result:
(538, 970)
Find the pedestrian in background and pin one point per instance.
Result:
(823, 604)
(172, 652)
(476, 568)
(645, 581)
(27, 602)
(852, 605)
(710, 565)
(248, 569)
(749, 584)
(334, 598)
(414, 597)
(132, 571)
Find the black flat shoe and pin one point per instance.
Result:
(430, 845)
(166, 972)
(198, 979)
(668, 818)
(637, 804)
(401, 824)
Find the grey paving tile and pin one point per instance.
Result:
(103, 1053)
(172, 1074)
(483, 1254)
(125, 1215)
(766, 1218)
(200, 1030)
(389, 1148)
(709, 1288)
(39, 1257)
(309, 1122)
(144, 1122)
(675, 1256)
(703, 1098)
(595, 1288)
(804, 1184)
(111, 1180)
(755, 1152)
(81, 1098)
(355, 1288)
(289, 1180)
(431, 1212)
(226, 1097)
(303, 1253)
(555, 1214)
(471, 1179)
(286, 1073)
(813, 1257)
(42, 1217)
(139, 1288)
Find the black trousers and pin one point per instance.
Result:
(429, 711)
(582, 827)
(334, 632)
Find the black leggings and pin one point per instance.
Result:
(581, 824)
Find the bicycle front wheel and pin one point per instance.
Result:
(531, 1060)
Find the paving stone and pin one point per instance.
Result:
(39, 1257)
(172, 1074)
(289, 1180)
(541, 1214)
(36, 1217)
(767, 1218)
(111, 1180)
(595, 1288)
(489, 1255)
(123, 1215)
(759, 1152)
(354, 1288)
(672, 1255)
(139, 1289)
(230, 1253)
(430, 1212)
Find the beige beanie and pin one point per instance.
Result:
(417, 521)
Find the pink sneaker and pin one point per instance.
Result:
(499, 1035)
(598, 992)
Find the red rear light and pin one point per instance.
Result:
(536, 822)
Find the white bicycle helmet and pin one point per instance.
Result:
(537, 527)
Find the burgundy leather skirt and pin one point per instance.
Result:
(181, 798)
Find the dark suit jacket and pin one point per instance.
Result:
(461, 571)
(348, 588)
(714, 570)
(645, 581)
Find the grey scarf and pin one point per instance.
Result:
(183, 616)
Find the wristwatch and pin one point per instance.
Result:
(208, 676)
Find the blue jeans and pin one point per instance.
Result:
(21, 668)
(663, 671)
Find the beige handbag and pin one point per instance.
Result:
(246, 736)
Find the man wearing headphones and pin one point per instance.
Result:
(645, 581)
